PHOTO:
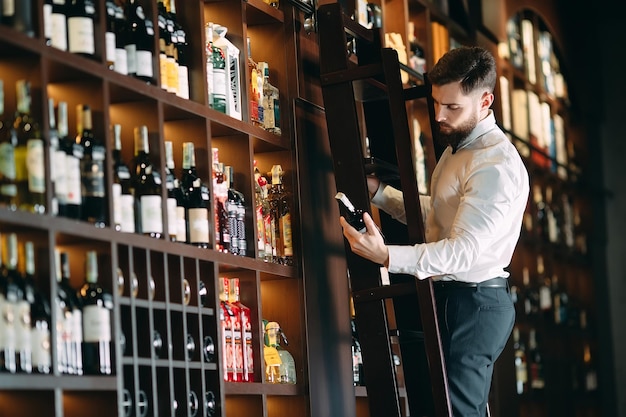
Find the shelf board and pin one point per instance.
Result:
(248, 388)
(51, 382)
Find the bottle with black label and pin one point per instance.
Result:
(73, 198)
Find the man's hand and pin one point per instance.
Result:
(370, 245)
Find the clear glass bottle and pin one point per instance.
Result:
(280, 365)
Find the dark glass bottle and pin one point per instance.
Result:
(281, 218)
(8, 142)
(93, 187)
(97, 306)
(73, 155)
(58, 25)
(353, 216)
(81, 18)
(197, 200)
(110, 36)
(172, 186)
(123, 217)
(139, 44)
(146, 188)
(9, 293)
(69, 346)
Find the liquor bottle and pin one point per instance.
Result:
(182, 48)
(97, 306)
(81, 17)
(73, 198)
(172, 184)
(8, 142)
(165, 42)
(545, 288)
(56, 158)
(146, 188)
(24, 299)
(140, 42)
(258, 213)
(286, 365)
(229, 232)
(29, 155)
(590, 376)
(353, 216)
(58, 25)
(18, 14)
(47, 22)
(357, 356)
(208, 57)
(110, 35)
(226, 344)
(521, 364)
(64, 307)
(541, 226)
(121, 35)
(245, 319)
(560, 303)
(40, 315)
(197, 198)
(171, 53)
(531, 294)
(75, 322)
(256, 117)
(271, 102)
(220, 82)
(93, 188)
(123, 217)
(281, 218)
(220, 196)
(535, 362)
(236, 346)
(9, 293)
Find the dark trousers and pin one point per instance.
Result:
(475, 323)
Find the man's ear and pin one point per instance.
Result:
(486, 100)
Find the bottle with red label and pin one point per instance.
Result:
(245, 322)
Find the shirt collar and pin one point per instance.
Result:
(481, 128)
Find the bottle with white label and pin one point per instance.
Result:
(97, 307)
(197, 197)
(147, 188)
(123, 217)
(81, 16)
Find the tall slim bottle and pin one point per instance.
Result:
(29, 154)
(197, 200)
(8, 299)
(56, 158)
(123, 205)
(93, 187)
(72, 320)
(58, 25)
(146, 188)
(97, 307)
(22, 307)
(281, 218)
(81, 16)
(172, 185)
(8, 142)
(73, 198)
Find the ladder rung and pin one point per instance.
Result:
(407, 335)
(384, 292)
(415, 92)
(357, 30)
(351, 74)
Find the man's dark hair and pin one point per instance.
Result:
(473, 66)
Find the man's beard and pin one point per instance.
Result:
(455, 136)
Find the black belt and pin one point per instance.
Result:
(490, 283)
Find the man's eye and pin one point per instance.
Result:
(453, 107)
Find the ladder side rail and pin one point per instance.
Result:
(346, 148)
(415, 226)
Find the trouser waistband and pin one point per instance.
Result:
(498, 282)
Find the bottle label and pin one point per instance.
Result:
(121, 61)
(183, 82)
(47, 21)
(116, 196)
(93, 178)
(73, 183)
(60, 174)
(109, 39)
(143, 64)
(8, 8)
(7, 169)
(127, 202)
(181, 224)
(172, 225)
(40, 339)
(58, 31)
(81, 35)
(198, 225)
(151, 214)
(35, 164)
(96, 324)
(7, 327)
(131, 58)
(22, 326)
(285, 234)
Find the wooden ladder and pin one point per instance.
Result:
(364, 90)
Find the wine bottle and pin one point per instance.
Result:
(197, 200)
(9, 293)
(147, 188)
(47, 21)
(123, 201)
(58, 25)
(74, 321)
(93, 188)
(110, 36)
(121, 34)
(56, 158)
(181, 52)
(353, 216)
(521, 364)
(40, 314)
(73, 155)
(172, 54)
(8, 142)
(140, 43)
(165, 41)
(97, 306)
(18, 14)
(81, 16)
(29, 154)
(172, 186)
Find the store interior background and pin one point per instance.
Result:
(595, 35)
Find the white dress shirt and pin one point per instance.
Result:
(474, 214)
